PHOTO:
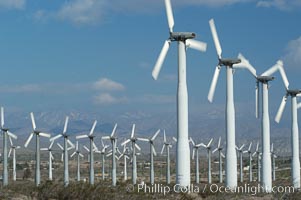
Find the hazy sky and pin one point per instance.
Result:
(99, 54)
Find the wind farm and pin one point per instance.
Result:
(82, 67)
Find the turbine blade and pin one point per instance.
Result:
(44, 149)
(254, 154)
(138, 147)
(250, 146)
(245, 64)
(133, 130)
(102, 144)
(114, 130)
(72, 154)
(44, 135)
(162, 149)
(66, 125)
(164, 137)
(197, 45)
(93, 127)
(9, 152)
(203, 145)
(70, 143)
(143, 139)
(81, 155)
(257, 146)
(60, 146)
(215, 38)
(214, 150)
(81, 136)
(213, 84)
(209, 143)
(94, 146)
(51, 144)
(281, 109)
(160, 60)
(76, 148)
(298, 105)
(105, 137)
(125, 142)
(273, 69)
(62, 157)
(283, 74)
(56, 137)
(155, 135)
(193, 150)
(272, 147)
(10, 141)
(2, 117)
(219, 142)
(223, 155)
(12, 135)
(28, 140)
(108, 155)
(169, 14)
(33, 121)
(51, 156)
(87, 149)
(257, 100)
(154, 150)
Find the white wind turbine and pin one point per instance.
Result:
(208, 147)
(219, 148)
(274, 156)
(195, 153)
(13, 150)
(231, 162)
(240, 152)
(5, 132)
(50, 157)
(113, 139)
(295, 164)
(250, 162)
(92, 147)
(103, 153)
(184, 40)
(167, 146)
(133, 139)
(37, 133)
(66, 156)
(258, 153)
(125, 155)
(110, 154)
(264, 79)
(77, 152)
(152, 154)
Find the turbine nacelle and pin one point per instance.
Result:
(181, 36)
(265, 79)
(228, 61)
(294, 92)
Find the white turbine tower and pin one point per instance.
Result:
(264, 79)
(66, 156)
(195, 153)
(13, 150)
(231, 162)
(152, 154)
(258, 153)
(77, 152)
(125, 155)
(274, 156)
(50, 157)
(250, 162)
(92, 149)
(167, 146)
(240, 152)
(5, 132)
(295, 164)
(185, 40)
(208, 147)
(113, 139)
(220, 156)
(133, 139)
(37, 133)
(103, 153)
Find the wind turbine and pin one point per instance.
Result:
(295, 164)
(77, 152)
(66, 142)
(167, 145)
(250, 161)
(274, 156)
(231, 162)
(208, 147)
(240, 152)
(125, 157)
(92, 147)
(113, 139)
(13, 149)
(185, 40)
(49, 149)
(258, 153)
(103, 152)
(37, 133)
(5, 132)
(220, 162)
(152, 154)
(195, 153)
(264, 79)
(133, 139)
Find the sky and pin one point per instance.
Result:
(98, 54)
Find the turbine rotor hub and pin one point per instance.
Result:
(181, 36)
